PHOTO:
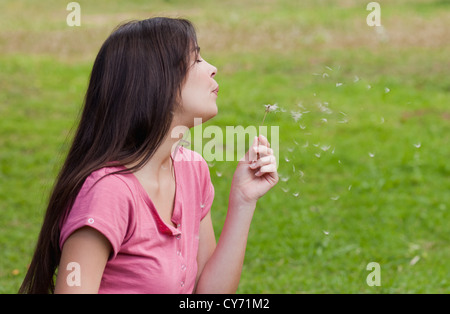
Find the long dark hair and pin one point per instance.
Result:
(134, 88)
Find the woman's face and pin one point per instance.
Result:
(199, 92)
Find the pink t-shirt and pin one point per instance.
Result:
(148, 255)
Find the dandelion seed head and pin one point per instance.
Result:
(271, 108)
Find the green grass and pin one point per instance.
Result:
(351, 209)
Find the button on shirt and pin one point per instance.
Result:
(148, 255)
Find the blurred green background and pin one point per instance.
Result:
(364, 170)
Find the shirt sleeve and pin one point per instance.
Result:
(104, 204)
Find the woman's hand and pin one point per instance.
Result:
(256, 172)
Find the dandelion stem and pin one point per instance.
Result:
(265, 114)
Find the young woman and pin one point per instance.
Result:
(130, 209)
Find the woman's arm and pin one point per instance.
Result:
(85, 253)
(220, 266)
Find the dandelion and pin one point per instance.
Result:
(269, 108)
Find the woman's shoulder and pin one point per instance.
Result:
(108, 179)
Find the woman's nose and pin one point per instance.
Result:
(213, 71)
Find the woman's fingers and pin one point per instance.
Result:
(264, 161)
(263, 150)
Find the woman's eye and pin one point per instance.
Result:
(199, 60)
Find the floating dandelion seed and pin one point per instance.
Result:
(296, 194)
(285, 190)
(324, 120)
(387, 90)
(339, 84)
(335, 198)
(306, 144)
(302, 126)
(329, 68)
(317, 155)
(287, 159)
(356, 79)
(219, 174)
(349, 187)
(325, 232)
(202, 205)
(296, 115)
(417, 145)
(371, 155)
(382, 120)
(290, 149)
(284, 179)
(325, 148)
(316, 145)
(368, 86)
(414, 260)
(325, 75)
